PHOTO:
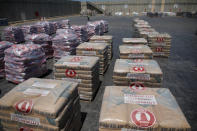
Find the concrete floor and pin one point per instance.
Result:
(180, 69)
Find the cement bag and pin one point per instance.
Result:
(147, 109)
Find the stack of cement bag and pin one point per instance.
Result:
(135, 52)
(106, 39)
(134, 41)
(63, 24)
(24, 61)
(105, 26)
(144, 32)
(81, 69)
(81, 32)
(41, 105)
(95, 49)
(44, 41)
(160, 44)
(3, 46)
(138, 21)
(139, 26)
(13, 34)
(64, 44)
(142, 71)
(140, 109)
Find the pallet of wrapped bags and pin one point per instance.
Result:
(144, 33)
(105, 26)
(23, 61)
(41, 105)
(3, 46)
(140, 109)
(81, 32)
(25, 29)
(138, 21)
(43, 27)
(134, 41)
(63, 24)
(13, 34)
(64, 44)
(81, 69)
(95, 49)
(160, 44)
(94, 28)
(135, 52)
(143, 71)
(140, 26)
(43, 40)
(107, 39)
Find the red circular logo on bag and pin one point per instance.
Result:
(25, 129)
(24, 106)
(70, 73)
(143, 118)
(76, 59)
(137, 86)
(138, 69)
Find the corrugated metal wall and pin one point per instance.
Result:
(25, 9)
(129, 6)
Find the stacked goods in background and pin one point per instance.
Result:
(134, 41)
(143, 109)
(138, 21)
(64, 44)
(25, 29)
(24, 61)
(138, 26)
(142, 72)
(105, 26)
(43, 40)
(135, 52)
(39, 27)
(81, 69)
(143, 32)
(3, 46)
(13, 34)
(81, 32)
(95, 49)
(63, 24)
(160, 44)
(41, 105)
(43, 27)
(106, 39)
(95, 28)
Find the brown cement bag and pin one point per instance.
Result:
(95, 49)
(134, 41)
(107, 39)
(160, 44)
(146, 109)
(135, 52)
(81, 69)
(40, 103)
(137, 70)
